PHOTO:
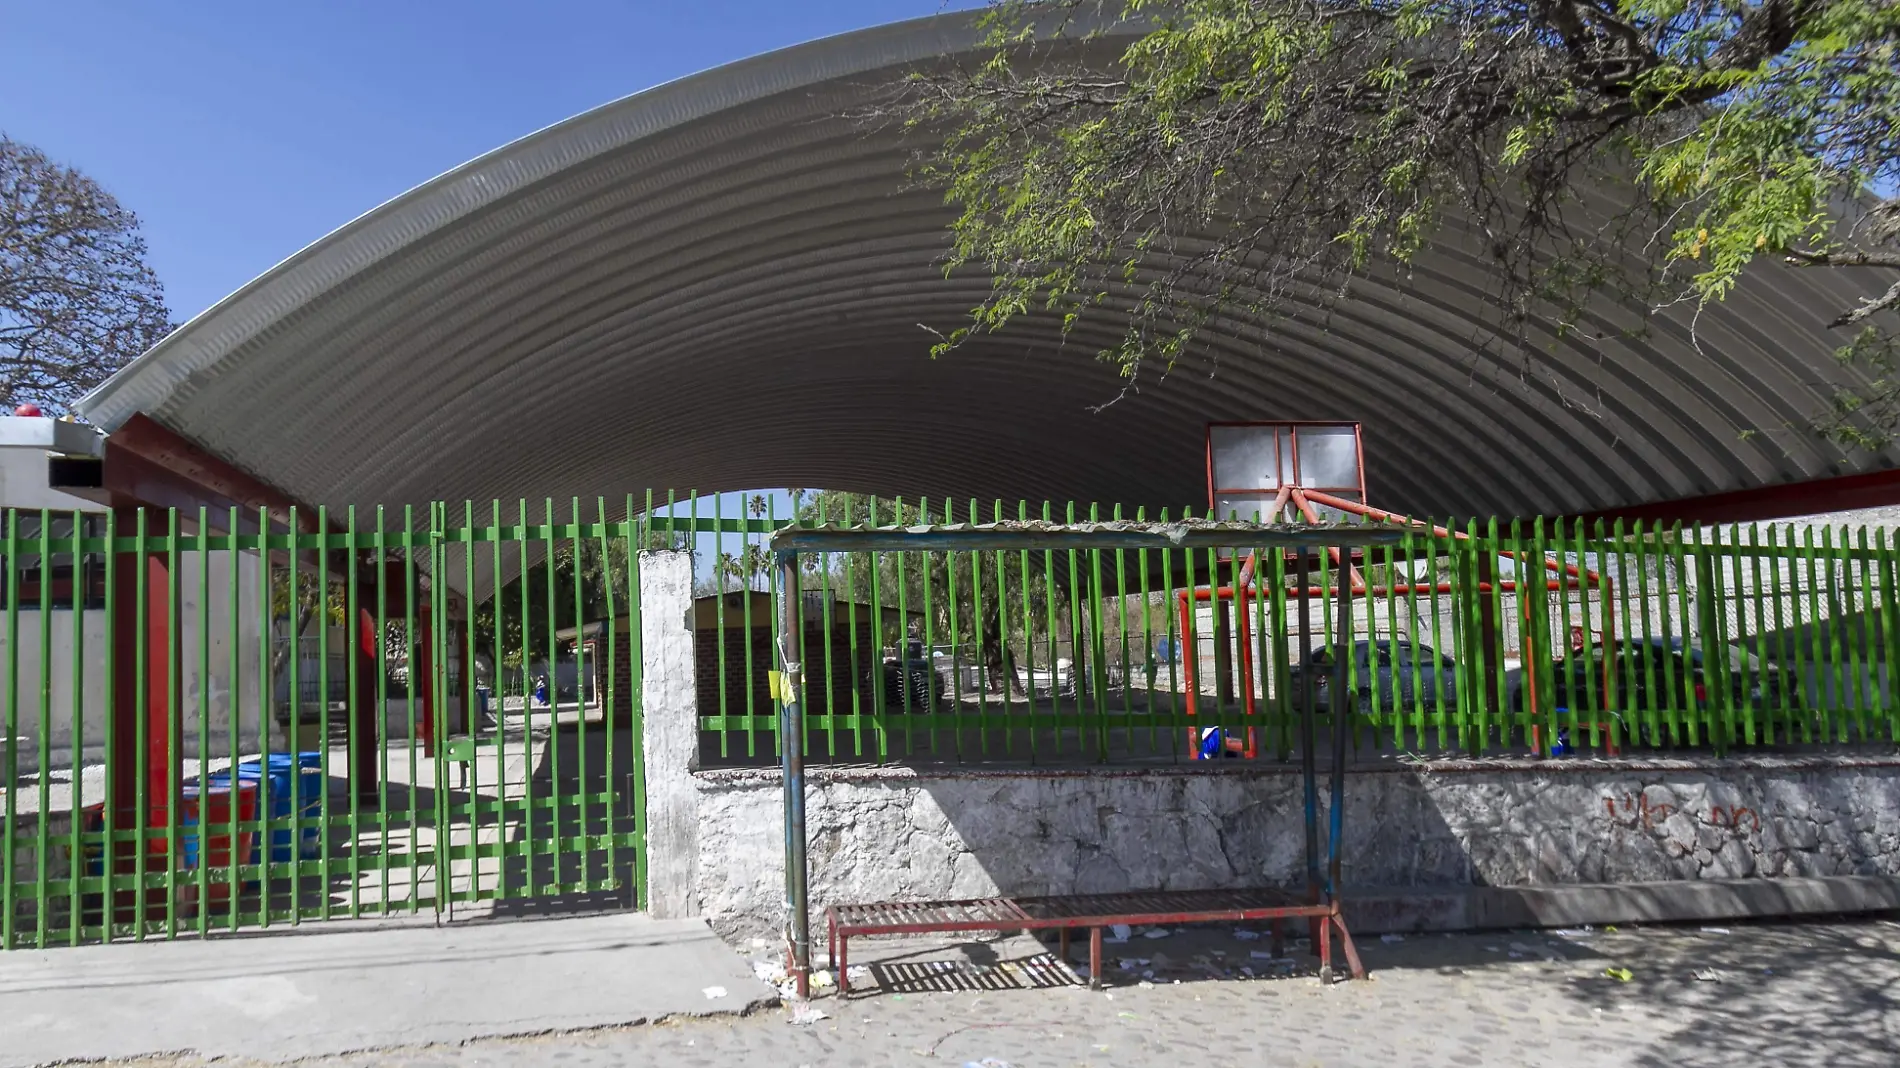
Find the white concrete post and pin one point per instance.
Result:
(669, 732)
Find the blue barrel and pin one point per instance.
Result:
(296, 786)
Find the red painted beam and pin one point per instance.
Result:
(1873, 489)
(151, 464)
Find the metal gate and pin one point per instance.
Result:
(249, 720)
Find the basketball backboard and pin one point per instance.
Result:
(1248, 463)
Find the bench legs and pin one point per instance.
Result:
(1353, 966)
(842, 966)
(1095, 958)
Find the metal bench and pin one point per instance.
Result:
(1092, 911)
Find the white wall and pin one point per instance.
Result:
(206, 701)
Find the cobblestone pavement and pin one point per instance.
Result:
(1796, 994)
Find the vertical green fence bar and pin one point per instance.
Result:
(1889, 617)
(75, 850)
(636, 754)
(43, 765)
(1866, 669)
(204, 825)
(470, 538)
(142, 734)
(9, 937)
(1745, 599)
(719, 616)
(504, 807)
(354, 682)
(575, 843)
(1002, 630)
(751, 651)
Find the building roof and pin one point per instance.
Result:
(721, 283)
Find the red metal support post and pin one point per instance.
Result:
(141, 689)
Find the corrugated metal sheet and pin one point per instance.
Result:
(719, 284)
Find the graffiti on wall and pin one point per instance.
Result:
(1635, 811)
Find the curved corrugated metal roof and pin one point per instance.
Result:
(719, 284)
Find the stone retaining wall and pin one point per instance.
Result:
(917, 834)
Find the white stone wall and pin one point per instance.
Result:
(202, 628)
(901, 834)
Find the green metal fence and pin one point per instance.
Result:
(169, 770)
(1512, 637)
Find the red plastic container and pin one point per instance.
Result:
(215, 807)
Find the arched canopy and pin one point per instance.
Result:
(721, 283)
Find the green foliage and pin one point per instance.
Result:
(572, 585)
(1139, 172)
(1865, 418)
(986, 599)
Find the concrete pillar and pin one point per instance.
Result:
(669, 732)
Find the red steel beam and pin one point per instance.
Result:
(1873, 489)
(148, 465)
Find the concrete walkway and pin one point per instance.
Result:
(318, 991)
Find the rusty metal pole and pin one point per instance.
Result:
(792, 745)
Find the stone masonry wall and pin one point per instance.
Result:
(900, 833)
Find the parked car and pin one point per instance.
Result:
(1663, 675)
(1402, 674)
(908, 678)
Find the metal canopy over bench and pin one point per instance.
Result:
(1319, 905)
(1094, 912)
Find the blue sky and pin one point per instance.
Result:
(240, 132)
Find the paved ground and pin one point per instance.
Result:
(1748, 995)
(327, 990)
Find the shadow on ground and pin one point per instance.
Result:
(1812, 993)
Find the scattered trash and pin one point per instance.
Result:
(759, 943)
(769, 971)
(987, 1062)
(804, 1013)
(1494, 949)
(857, 971)
(1708, 975)
(821, 979)
(1515, 955)
(1156, 932)
(1145, 984)
(1148, 975)
(1246, 936)
(1610, 928)
(1574, 932)
(1261, 954)
(715, 992)
(1389, 939)
(1621, 975)
(1119, 932)
(1128, 1015)
(1246, 971)
(1519, 947)
(1715, 930)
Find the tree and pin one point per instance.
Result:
(1152, 166)
(77, 299)
(573, 584)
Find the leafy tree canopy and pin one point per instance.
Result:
(1153, 165)
(77, 299)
